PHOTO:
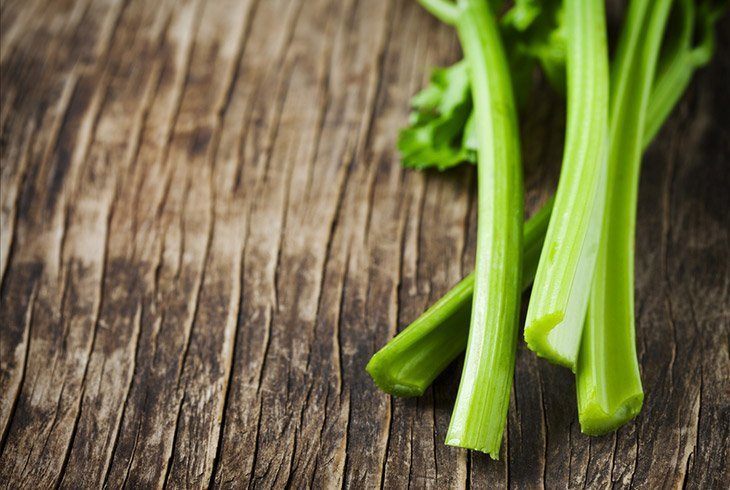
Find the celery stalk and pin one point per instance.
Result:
(608, 382)
(557, 309)
(409, 363)
(480, 411)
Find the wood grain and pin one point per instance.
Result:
(205, 233)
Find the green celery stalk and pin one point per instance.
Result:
(480, 411)
(409, 363)
(608, 381)
(557, 308)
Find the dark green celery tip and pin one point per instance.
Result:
(389, 382)
(595, 421)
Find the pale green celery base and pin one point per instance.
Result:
(409, 364)
(389, 383)
(407, 367)
(467, 444)
(538, 339)
(556, 336)
(596, 420)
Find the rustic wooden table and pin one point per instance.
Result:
(206, 233)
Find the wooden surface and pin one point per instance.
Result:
(206, 233)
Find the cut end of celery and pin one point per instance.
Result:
(539, 340)
(457, 442)
(388, 383)
(595, 421)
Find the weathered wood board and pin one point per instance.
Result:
(205, 233)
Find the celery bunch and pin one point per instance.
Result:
(578, 248)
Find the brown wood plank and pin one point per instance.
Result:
(205, 233)
(41, 248)
(132, 247)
